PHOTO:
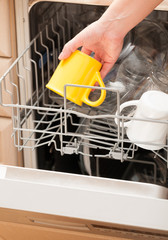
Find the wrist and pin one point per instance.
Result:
(123, 15)
(113, 28)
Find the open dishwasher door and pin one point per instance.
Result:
(80, 206)
(43, 200)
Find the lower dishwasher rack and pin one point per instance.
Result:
(41, 117)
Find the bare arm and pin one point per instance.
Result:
(105, 36)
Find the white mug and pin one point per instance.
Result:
(149, 133)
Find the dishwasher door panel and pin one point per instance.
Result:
(83, 197)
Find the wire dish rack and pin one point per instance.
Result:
(41, 117)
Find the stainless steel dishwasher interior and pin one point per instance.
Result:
(68, 138)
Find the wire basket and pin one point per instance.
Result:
(41, 117)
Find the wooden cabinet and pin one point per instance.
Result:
(5, 63)
(18, 225)
(7, 36)
(7, 47)
(8, 153)
(15, 231)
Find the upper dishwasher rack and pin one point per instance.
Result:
(41, 117)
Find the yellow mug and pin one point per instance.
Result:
(79, 69)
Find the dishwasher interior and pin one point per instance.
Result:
(84, 140)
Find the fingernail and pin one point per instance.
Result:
(61, 56)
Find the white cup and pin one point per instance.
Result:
(152, 106)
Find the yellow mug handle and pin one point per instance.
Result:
(85, 99)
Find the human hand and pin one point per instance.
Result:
(97, 38)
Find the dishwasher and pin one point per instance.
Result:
(81, 173)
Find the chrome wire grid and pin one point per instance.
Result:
(41, 117)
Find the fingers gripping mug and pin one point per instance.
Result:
(79, 69)
(153, 105)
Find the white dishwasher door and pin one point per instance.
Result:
(93, 200)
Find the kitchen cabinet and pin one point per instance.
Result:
(18, 225)
(8, 153)
(162, 6)
(14, 231)
(7, 47)
(5, 39)
(5, 63)
(7, 26)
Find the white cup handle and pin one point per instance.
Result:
(122, 106)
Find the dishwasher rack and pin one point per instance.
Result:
(41, 117)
